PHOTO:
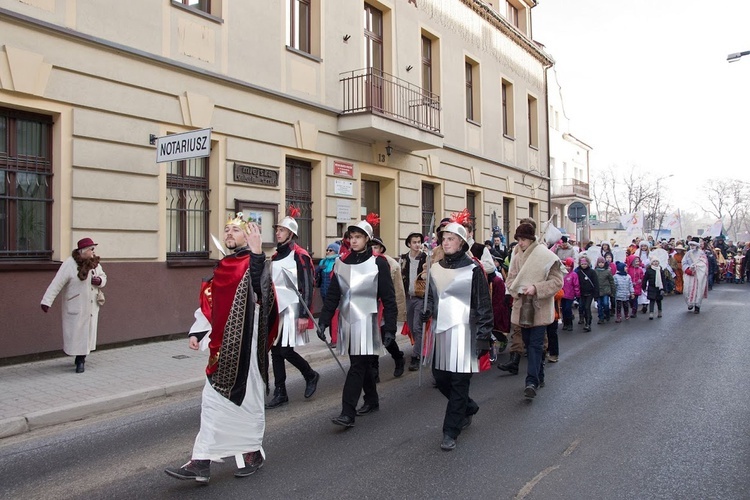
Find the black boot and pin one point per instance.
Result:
(512, 365)
(312, 384)
(279, 398)
(80, 362)
(414, 365)
(400, 363)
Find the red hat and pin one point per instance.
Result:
(85, 243)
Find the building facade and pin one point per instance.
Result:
(569, 162)
(400, 107)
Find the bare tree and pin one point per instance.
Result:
(726, 200)
(618, 191)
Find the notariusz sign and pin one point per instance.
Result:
(193, 144)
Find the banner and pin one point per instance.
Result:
(714, 229)
(632, 223)
(671, 221)
(551, 233)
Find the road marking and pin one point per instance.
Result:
(523, 492)
(530, 485)
(571, 448)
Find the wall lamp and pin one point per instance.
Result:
(347, 37)
(737, 56)
(389, 149)
(409, 68)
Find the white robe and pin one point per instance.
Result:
(80, 311)
(230, 430)
(695, 287)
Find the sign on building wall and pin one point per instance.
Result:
(343, 211)
(255, 175)
(193, 144)
(343, 188)
(343, 168)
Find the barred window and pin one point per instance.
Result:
(187, 209)
(25, 186)
(299, 194)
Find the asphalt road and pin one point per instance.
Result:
(639, 410)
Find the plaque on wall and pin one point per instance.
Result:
(343, 168)
(256, 175)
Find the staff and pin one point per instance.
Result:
(427, 263)
(292, 286)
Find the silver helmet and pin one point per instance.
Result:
(288, 223)
(362, 226)
(456, 228)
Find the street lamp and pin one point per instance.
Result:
(737, 55)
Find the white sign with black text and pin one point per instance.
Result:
(193, 144)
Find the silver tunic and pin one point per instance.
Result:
(358, 308)
(288, 303)
(453, 341)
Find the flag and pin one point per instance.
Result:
(633, 223)
(672, 221)
(714, 229)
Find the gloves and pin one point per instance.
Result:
(322, 333)
(425, 316)
(388, 338)
(45, 307)
(96, 280)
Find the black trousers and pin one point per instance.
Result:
(392, 349)
(279, 355)
(651, 305)
(359, 377)
(553, 343)
(455, 387)
(586, 301)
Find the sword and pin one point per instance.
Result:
(426, 295)
(218, 244)
(290, 283)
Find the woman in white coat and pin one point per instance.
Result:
(81, 277)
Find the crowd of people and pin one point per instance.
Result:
(460, 303)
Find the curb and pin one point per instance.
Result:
(77, 411)
(14, 426)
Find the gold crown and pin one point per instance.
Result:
(238, 220)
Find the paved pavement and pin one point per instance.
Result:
(49, 392)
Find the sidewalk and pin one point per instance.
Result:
(49, 392)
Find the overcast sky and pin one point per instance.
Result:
(647, 83)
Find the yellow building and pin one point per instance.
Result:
(339, 107)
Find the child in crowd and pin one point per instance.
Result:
(624, 291)
(606, 288)
(552, 340)
(636, 276)
(589, 285)
(653, 282)
(571, 289)
(609, 258)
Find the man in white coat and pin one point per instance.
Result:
(82, 277)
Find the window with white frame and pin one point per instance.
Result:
(533, 119)
(298, 25)
(509, 128)
(471, 76)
